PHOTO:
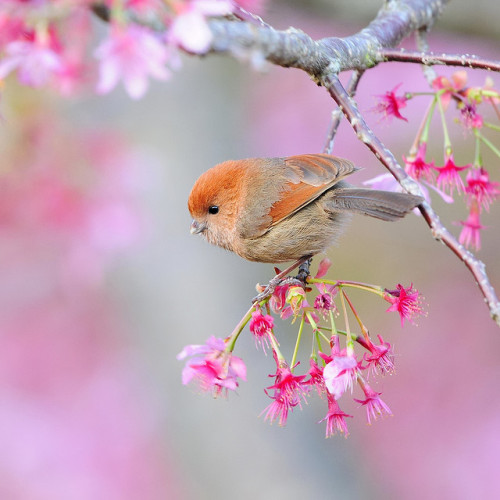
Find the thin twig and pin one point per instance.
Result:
(337, 112)
(366, 135)
(423, 46)
(431, 59)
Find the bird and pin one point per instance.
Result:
(283, 209)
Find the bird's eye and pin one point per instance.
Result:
(214, 209)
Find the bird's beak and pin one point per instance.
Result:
(197, 227)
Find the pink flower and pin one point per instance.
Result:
(455, 86)
(340, 374)
(471, 232)
(190, 30)
(324, 302)
(214, 368)
(131, 54)
(323, 267)
(382, 357)
(288, 389)
(469, 116)
(390, 104)
(448, 176)
(315, 377)
(35, 60)
(417, 167)
(262, 328)
(406, 301)
(480, 189)
(335, 418)
(278, 298)
(296, 298)
(375, 407)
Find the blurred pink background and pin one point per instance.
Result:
(102, 285)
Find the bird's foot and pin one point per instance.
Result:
(280, 279)
(304, 273)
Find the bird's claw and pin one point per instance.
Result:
(268, 290)
(280, 279)
(274, 283)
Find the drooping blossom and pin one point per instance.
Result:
(448, 178)
(381, 358)
(480, 189)
(295, 300)
(470, 235)
(405, 301)
(278, 298)
(417, 167)
(315, 379)
(324, 301)
(469, 117)
(35, 59)
(335, 418)
(323, 267)
(261, 325)
(212, 366)
(340, 374)
(288, 391)
(450, 87)
(189, 29)
(375, 407)
(130, 54)
(389, 104)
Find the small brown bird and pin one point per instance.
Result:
(282, 209)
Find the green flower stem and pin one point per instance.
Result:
(492, 126)
(299, 337)
(447, 142)
(231, 340)
(332, 321)
(341, 332)
(490, 93)
(423, 131)
(478, 162)
(487, 142)
(275, 346)
(317, 333)
(349, 342)
(353, 284)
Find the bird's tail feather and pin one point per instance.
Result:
(384, 205)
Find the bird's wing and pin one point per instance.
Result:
(308, 176)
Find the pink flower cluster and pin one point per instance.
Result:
(46, 42)
(478, 189)
(212, 366)
(333, 370)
